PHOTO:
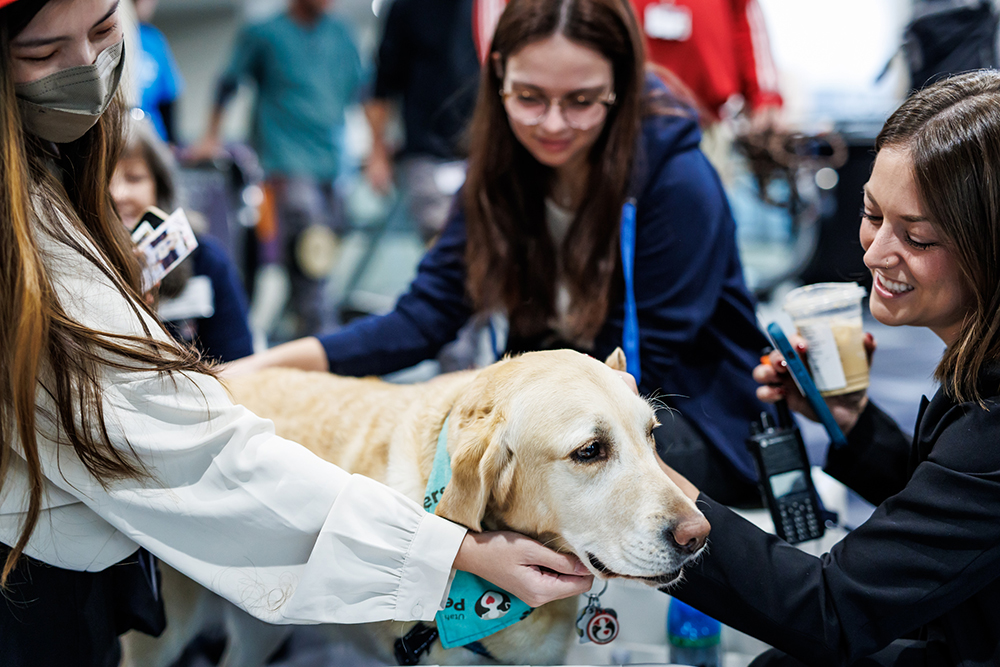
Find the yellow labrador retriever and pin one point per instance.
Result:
(550, 444)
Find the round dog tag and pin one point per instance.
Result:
(583, 621)
(603, 627)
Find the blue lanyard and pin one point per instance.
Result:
(630, 328)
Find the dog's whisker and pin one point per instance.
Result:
(653, 566)
(549, 542)
(657, 402)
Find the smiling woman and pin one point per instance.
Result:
(558, 133)
(917, 279)
(953, 149)
(916, 584)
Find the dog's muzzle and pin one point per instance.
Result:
(664, 579)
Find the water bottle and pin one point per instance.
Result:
(693, 637)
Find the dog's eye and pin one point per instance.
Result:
(593, 451)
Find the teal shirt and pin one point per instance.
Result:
(305, 78)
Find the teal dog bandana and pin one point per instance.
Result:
(475, 608)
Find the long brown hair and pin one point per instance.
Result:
(39, 184)
(952, 132)
(510, 257)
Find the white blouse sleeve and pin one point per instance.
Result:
(254, 517)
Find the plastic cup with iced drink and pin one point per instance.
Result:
(828, 316)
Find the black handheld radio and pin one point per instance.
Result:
(785, 480)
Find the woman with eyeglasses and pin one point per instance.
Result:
(571, 138)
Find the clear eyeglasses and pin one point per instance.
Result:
(581, 111)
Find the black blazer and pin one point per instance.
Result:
(925, 565)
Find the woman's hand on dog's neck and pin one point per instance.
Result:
(523, 567)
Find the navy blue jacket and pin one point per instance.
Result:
(698, 335)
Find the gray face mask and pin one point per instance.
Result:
(62, 106)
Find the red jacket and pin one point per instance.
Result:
(727, 52)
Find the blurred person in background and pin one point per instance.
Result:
(201, 300)
(428, 74)
(157, 77)
(568, 134)
(720, 50)
(306, 70)
(427, 71)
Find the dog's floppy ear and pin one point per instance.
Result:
(616, 360)
(481, 466)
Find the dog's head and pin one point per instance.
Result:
(556, 445)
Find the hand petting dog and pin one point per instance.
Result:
(524, 567)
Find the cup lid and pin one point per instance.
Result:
(812, 299)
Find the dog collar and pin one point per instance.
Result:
(475, 607)
(409, 648)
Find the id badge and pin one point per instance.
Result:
(164, 247)
(667, 21)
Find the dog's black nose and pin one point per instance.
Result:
(689, 535)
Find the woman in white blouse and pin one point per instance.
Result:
(114, 440)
